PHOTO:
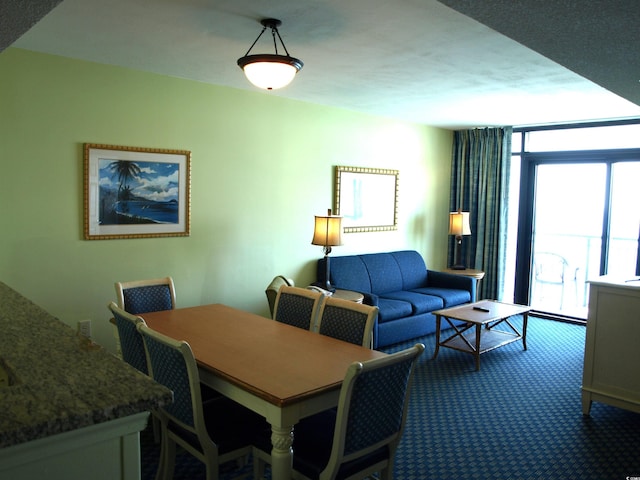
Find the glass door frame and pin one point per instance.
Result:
(529, 163)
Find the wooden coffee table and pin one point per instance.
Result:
(487, 313)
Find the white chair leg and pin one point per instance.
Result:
(160, 474)
(169, 457)
(258, 466)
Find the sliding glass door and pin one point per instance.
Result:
(624, 231)
(579, 217)
(567, 228)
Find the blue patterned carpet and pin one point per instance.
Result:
(519, 417)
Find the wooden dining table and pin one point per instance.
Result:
(281, 372)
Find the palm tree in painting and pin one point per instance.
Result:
(125, 196)
(125, 171)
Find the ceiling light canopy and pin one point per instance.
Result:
(266, 70)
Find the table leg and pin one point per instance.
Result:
(435, 353)
(477, 352)
(525, 317)
(281, 453)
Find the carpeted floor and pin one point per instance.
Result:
(519, 417)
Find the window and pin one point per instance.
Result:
(577, 205)
(608, 137)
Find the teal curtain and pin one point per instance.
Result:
(480, 185)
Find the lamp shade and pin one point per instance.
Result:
(459, 223)
(270, 72)
(328, 230)
(266, 70)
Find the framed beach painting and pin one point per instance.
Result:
(132, 192)
(366, 198)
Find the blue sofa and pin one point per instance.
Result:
(402, 288)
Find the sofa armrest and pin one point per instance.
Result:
(370, 299)
(451, 280)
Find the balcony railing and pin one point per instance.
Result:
(563, 264)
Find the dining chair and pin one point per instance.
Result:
(131, 349)
(297, 306)
(272, 290)
(131, 346)
(360, 437)
(142, 296)
(348, 321)
(154, 295)
(214, 432)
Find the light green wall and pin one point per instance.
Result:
(262, 167)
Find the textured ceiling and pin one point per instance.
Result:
(18, 16)
(416, 60)
(597, 39)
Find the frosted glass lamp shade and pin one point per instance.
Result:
(270, 72)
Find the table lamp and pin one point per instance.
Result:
(459, 226)
(327, 233)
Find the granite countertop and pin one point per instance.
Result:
(61, 381)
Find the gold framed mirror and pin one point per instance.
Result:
(366, 198)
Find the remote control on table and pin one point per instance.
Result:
(481, 309)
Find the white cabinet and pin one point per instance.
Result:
(612, 353)
(104, 451)
(68, 409)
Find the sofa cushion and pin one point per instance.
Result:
(349, 273)
(383, 271)
(390, 309)
(450, 297)
(413, 268)
(420, 303)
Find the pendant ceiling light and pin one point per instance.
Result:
(266, 70)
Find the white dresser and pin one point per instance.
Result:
(612, 351)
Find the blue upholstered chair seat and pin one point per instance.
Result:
(420, 302)
(449, 296)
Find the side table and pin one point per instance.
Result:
(348, 295)
(468, 272)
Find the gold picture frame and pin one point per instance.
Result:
(366, 198)
(134, 192)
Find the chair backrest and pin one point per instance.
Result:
(372, 408)
(172, 364)
(272, 290)
(297, 306)
(550, 268)
(142, 296)
(130, 340)
(348, 321)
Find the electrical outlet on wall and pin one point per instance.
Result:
(84, 328)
